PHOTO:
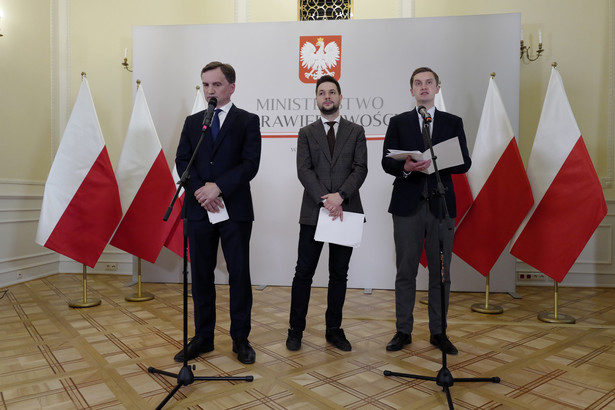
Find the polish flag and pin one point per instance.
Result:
(146, 187)
(81, 204)
(463, 194)
(175, 240)
(500, 186)
(569, 201)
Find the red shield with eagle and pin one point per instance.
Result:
(318, 56)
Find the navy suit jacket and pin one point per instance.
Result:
(231, 161)
(404, 133)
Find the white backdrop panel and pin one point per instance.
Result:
(377, 59)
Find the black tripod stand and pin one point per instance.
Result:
(444, 377)
(185, 375)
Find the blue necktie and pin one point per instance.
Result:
(215, 125)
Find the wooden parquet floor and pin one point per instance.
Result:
(53, 356)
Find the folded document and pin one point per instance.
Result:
(448, 154)
(347, 232)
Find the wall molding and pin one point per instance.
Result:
(22, 259)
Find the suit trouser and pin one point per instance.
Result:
(235, 239)
(410, 233)
(308, 254)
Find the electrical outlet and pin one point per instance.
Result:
(531, 277)
(19, 275)
(111, 267)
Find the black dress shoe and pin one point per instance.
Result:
(337, 338)
(399, 341)
(446, 347)
(293, 342)
(198, 345)
(245, 353)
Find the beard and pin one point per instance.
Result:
(329, 111)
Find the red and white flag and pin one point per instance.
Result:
(175, 240)
(501, 189)
(81, 204)
(569, 201)
(146, 187)
(463, 194)
(199, 102)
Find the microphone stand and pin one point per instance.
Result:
(444, 377)
(185, 376)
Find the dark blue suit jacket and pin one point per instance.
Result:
(231, 161)
(404, 133)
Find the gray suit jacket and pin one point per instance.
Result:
(321, 174)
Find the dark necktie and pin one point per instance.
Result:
(331, 136)
(215, 125)
(426, 143)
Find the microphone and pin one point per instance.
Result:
(213, 102)
(425, 114)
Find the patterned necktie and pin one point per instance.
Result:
(215, 125)
(331, 136)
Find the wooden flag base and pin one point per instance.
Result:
(84, 302)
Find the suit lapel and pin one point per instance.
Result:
(435, 133)
(318, 131)
(343, 133)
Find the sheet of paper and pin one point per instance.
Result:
(347, 232)
(222, 215)
(448, 154)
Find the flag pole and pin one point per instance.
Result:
(139, 296)
(556, 317)
(84, 303)
(485, 308)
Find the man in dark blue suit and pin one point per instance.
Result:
(226, 162)
(417, 212)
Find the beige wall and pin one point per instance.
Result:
(576, 36)
(25, 90)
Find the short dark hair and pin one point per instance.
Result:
(424, 70)
(227, 70)
(328, 79)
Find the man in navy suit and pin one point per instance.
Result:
(220, 177)
(331, 166)
(417, 212)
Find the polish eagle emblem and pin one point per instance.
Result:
(319, 59)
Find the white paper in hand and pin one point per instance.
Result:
(448, 154)
(221, 215)
(348, 232)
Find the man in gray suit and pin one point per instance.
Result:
(331, 166)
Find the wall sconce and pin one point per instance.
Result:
(1, 16)
(125, 63)
(525, 50)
